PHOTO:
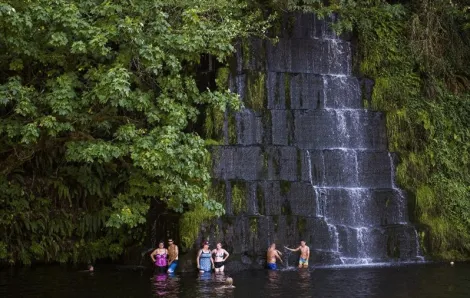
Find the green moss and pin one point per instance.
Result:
(287, 90)
(222, 78)
(246, 53)
(254, 225)
(217, 192)
(260, 199)
(232, 129)
(214, 123)
(190, 224)
(264, 156)
(285, 187)
(256, 91)
(239, 197)
(290, 127)
(276, 165)
(301, 224)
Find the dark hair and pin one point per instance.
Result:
(161, 242)
(205, 243)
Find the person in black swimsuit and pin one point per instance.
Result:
(220, 256)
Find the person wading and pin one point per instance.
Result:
(204, 258)
(172, 256)
(159, 257)
(271, 257)
(304, 254)
(220, 256)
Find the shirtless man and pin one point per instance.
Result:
(271, 256)
(172, 256)
(304, 254)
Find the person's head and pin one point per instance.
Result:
(161, 244)
(219, 245)
(170, 241)
(302, 243)
(90, 268)
(205, 245)
(273, 246)
(229, 281)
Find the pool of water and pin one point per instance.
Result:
(424, 280)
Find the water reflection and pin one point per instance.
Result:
(304, 285)
(165, 285)
(273, 286)
(435, 280)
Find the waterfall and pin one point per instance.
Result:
(314, 158)
(318, 211)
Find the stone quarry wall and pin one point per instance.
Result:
(303, 159)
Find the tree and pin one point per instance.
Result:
(95, 102)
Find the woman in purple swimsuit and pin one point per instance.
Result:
(160, 257)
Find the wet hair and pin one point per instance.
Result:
(228, 281)
(205, 243)
(161, 242)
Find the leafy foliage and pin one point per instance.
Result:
(96, 101)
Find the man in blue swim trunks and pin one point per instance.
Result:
(271, 256)
(172, 256)
(304, 254)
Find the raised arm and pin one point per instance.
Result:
(278, 256)
(292, 249)
(308, 253)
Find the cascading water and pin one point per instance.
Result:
(313, 162)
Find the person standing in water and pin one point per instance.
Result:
(172, 256)
(159, 257)
(304, 254)
(271, 257)
(220, 256)
(204, 258)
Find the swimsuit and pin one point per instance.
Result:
(173, 266)
(303, 262)
(272, 266)
(205, 263)
(161, 262)
(219, 263)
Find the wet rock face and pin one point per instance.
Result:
(303, 160)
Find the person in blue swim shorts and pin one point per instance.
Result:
(271, 257)
(172, 256)
(304, 254)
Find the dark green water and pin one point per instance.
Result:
(428, 280)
